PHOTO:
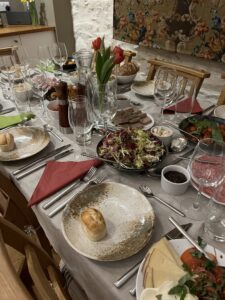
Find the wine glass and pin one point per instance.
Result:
(59, 54)
(206, 168)
(165, 87)
(8, 70)
(214, 226)
(39, 84)
(22, 92)
(44, 56)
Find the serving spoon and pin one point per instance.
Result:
(146, 190)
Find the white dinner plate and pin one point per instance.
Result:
(28, 141)
(143, 88)
(180, 245)
(129, 220)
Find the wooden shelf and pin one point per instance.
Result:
(23, 29)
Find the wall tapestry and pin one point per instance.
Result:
(195, 27)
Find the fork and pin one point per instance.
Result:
(96, 180)
(86, 178)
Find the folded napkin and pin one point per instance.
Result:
(183, 107)
(58, 175)
(6, 121)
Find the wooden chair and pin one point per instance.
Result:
(47, 282)
(221, 99)
(13, 207)
(192, 79)
(7, 51)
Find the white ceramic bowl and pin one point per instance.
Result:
(172, 187)
(219, 112)
(163, 133)
(53, 110)
(123, 79)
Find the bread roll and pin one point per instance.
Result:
(6, 142)
(93, 224)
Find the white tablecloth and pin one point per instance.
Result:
(94, 276)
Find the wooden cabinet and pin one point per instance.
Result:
(30, 41)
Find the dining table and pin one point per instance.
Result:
(97, 277)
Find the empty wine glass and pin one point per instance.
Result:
(165, 87)
(214, 226)
(40, 87)
(44, 56)
(59, 54)
(8, 70)
(206, 168)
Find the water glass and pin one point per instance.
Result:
(22, 92)
(59, 54)
(79, 119)
(214, 226)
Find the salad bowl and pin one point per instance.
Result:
(131, 150)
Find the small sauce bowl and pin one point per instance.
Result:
(163, 133)
(175, 179)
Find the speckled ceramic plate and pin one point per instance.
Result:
(129, 220)
(28, 141)
(143, 88)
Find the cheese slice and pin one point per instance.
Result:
(159, 276)
(148, 278)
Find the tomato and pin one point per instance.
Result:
(191, 260)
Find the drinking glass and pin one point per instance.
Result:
(214, 226)
(165, 88)
(59, 54)
(22, 92)
(206, 168)
(79, 120)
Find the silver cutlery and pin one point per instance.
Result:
(58, 156)
(86, 178)
(50, 129)
(116, 161)
(157, 171)
(171, 235)
(42, 158)
(189, 238)
(146, 190)
(208, 109)
(7, 110)
(97, 180)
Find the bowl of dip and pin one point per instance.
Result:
(175, 179)
(163, 133)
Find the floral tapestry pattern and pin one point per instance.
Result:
(195, 27)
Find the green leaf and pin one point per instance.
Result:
(184, 279)
(106, 68)
(107, 53)
(216, 134)
(99, 64)
(159, 297)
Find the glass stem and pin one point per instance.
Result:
(196, 201)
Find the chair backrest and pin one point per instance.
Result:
(46, 278)
(7, 51)
(221, 99)
(13, 207)
(192, 78)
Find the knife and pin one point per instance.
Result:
(171, 235)
(7, 110)
(58, 156)
(42, 158)
(157, 171)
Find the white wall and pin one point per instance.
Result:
(92, 18)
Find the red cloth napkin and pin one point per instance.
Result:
(58, 175)
(183, 107)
